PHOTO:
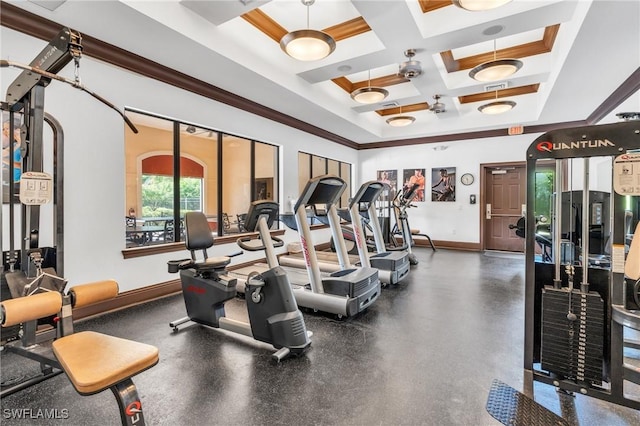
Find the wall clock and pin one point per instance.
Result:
(467, 179)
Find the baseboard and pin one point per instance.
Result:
(454, 245)
(323, 246)
(156, 291)
(129, 298)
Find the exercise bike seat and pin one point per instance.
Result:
(198, 234)
(211, 263)
(199, 237)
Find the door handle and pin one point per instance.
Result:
(488, 211)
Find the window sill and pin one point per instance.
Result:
(131, 253)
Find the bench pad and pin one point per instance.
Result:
(95, 362)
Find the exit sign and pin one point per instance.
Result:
(516, 130)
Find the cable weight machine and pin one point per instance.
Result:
(575, 311)
(27, 268)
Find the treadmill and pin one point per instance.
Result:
(344, 293)
(392, 266)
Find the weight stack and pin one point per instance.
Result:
(573, 349)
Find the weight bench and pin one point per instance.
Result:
(93, 361)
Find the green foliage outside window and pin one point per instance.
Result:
(157, 195)
(544, 191)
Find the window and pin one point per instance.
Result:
(173, 168)
(236, 173)
(313, 166)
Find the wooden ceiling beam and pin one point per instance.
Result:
(512, 91)
(348, 29)
(515, 52)
(431, 5)
(275, 31)
(405, 108)
(264, 23)
(344, 84)
(384, 81)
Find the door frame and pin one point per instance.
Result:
(483, 192)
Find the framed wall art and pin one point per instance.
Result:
(443, 184)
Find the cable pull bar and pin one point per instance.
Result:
(4, 63)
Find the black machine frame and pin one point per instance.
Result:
(584, 142)
(29, 268)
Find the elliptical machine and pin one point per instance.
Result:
(274, 316)
(401, 203)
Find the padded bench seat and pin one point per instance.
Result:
(95, 361)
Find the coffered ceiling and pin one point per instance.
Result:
(575, 54)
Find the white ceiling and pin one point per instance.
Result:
(596, 49)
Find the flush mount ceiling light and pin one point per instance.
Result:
(479, 5)
(400, 120)
(495, 70)
(308, 44)
(369, 94)
(496, 107)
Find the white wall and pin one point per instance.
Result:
(94, 182)
(449, 221)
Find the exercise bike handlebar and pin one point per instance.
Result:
(242, 242)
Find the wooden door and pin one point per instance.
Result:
(504, 204)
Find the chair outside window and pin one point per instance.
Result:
(226, 223)
(241, 219)
(133, 237)
(169, 231)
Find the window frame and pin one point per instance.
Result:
(348, 193)
(220, 237)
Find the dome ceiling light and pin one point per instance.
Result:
(410, 69)
(479, 5)
(308, 44)
(369, 94)
(400, 120)
(497, 107)
(495, 70)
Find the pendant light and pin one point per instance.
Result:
(496, 107)
(308, 44)
(495, 70)
(400, 120)
(479, 5)
(369, 94)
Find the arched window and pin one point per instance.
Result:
(219, 175)
(157, 185)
